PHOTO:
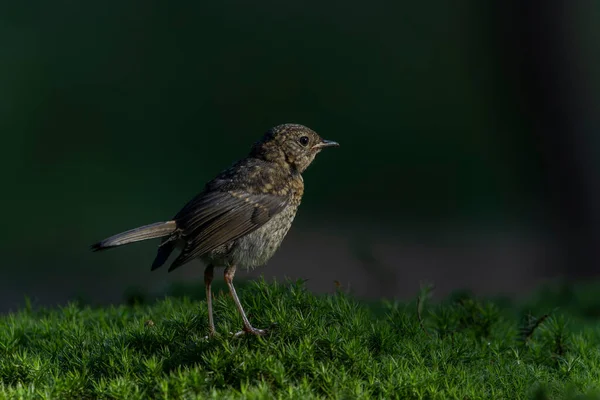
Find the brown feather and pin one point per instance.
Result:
(221, 217)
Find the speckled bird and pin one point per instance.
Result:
(241, 217)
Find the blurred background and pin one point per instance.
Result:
(468, 138)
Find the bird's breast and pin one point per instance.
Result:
(297, 189)
(256, 248)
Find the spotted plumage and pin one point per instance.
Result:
(242, 215)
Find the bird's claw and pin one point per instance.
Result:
(251, 331)
(211, 334)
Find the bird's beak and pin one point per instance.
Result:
(325, 143)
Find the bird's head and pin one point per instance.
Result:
(291, 144)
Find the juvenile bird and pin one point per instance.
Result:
(241, 216)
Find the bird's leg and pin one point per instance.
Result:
(229, 274)
(208, 277)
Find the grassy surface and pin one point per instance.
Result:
(319, 347)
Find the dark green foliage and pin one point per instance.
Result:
(319, 347)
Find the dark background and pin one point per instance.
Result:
(468, 138)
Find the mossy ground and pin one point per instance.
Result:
(318, 347)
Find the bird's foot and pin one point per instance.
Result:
(211, 333)
(251, 331)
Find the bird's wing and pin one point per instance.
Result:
(218, 217)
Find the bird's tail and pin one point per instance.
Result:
(152, 231)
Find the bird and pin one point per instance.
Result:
(240, 217)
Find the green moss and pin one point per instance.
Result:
(318, 347)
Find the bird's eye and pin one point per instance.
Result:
(303, 140)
